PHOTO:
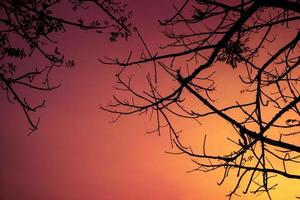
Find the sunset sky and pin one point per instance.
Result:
(78, 153)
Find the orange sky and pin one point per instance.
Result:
(78, 154)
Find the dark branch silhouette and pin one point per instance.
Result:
(259, 40)
(26, 30)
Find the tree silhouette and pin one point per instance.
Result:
(259, 40)
(27, 29)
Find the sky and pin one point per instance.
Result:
(78, 153)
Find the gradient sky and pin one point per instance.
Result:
(78, 154)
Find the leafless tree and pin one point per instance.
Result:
(27, 28)
(259, 41)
